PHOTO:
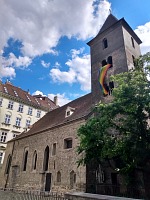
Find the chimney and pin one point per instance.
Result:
(56, 100)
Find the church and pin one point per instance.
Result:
(45, 158)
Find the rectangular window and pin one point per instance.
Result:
(3, 136)
(30, 111)
(38, 113)
(18, 121)
(67, 143)
(1, 101)
(7, 119)
(20, 109)
(54, 149)
(10, 105)
(28, 122)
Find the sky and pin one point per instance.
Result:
(43, 43)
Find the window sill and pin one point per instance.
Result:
(5, 124)
(17, 126)
(10, 108)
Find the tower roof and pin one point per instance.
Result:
(111, 20)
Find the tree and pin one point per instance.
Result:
(127, 119)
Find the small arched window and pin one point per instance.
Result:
(34, 160)
(109, 60)
(104, 63)
(105, 43)
(46, 159)
(8, 164)
(72, 179)
(132, 40)
(25, 160)
(58, 177)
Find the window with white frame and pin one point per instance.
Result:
(30, 111)
(1, 156)
(38, 113)
(28, 122)
(1, 101)
(3, 136)
(10, 105)
(7, 119)
(18, 121)
(20, 109)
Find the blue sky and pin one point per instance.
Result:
(43, 43)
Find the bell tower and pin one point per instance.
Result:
(112, 51)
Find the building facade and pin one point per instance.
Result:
(45, 157)
(18, 111)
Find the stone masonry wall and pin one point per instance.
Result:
(64, 160)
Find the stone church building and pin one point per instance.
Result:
(44, 158)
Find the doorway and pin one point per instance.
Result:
(48, 182)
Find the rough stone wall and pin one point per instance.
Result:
(64, 160)
(98, 54)
(119, 47)
(3, 175)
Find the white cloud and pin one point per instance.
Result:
(143, 32)
(20, 62)
(62, 99)
(38, 93)
(8, 65)
(40, 24)
(7, 72)
(44, 64)
(79, 71)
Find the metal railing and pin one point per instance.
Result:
(9, 193)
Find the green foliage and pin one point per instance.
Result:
(125, 118)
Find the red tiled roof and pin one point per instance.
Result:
(39, 101)
(82, 108)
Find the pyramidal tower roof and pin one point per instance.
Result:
(111, 20)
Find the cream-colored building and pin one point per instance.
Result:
(18, 111)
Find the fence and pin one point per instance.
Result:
(10, 194)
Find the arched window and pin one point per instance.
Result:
(8, 164)
(104, 63)
(72, 179)
(109, 60)
(58, 177)
(46, 159)
(34, 160)
(25, 160)
(132, 40)
(105, 43)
